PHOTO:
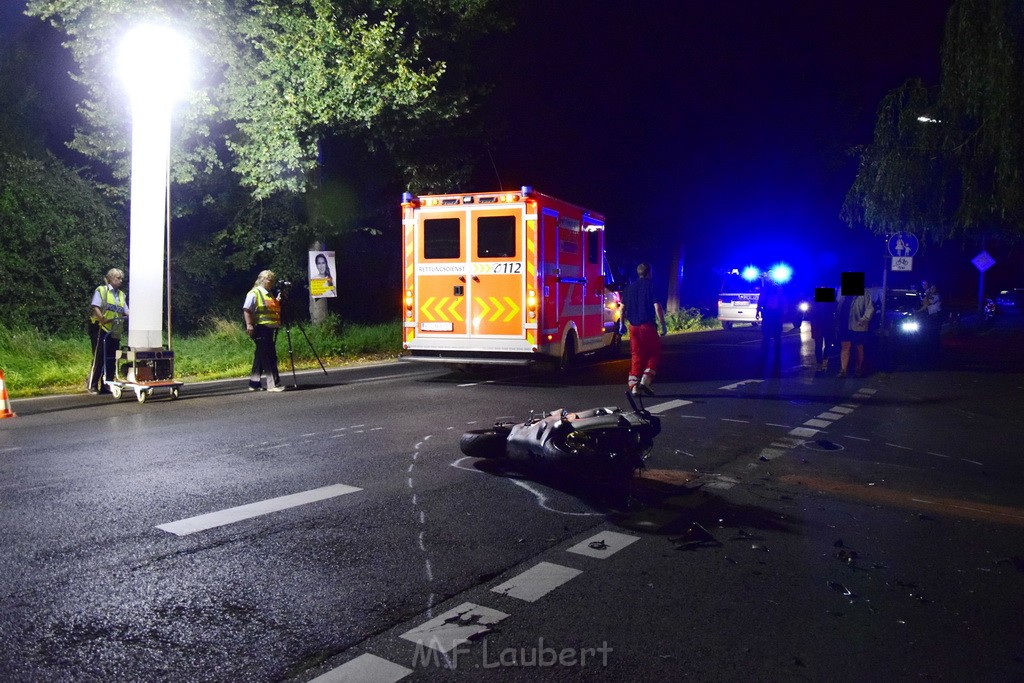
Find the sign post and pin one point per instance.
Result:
(983, 261)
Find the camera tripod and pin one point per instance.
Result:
(286, 319)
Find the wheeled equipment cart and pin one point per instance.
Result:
(144, 371)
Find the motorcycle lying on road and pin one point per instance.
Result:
(608, 443)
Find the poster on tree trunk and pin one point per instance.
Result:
(321, 274)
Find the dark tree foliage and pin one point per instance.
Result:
(59, 238)
(948, 162)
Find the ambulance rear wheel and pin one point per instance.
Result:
(568, 358)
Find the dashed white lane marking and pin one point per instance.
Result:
(365, 667)
(454, 627)
(210, 520)
(829, 415)
(855, 438)
(774, 424)
(869, 392)
(931, 453)
(845, 410)
(973, 462)
(604, 544)
(820, 424)
(538, 581)
(728, 419)
(896, 445)
(737, 385)
(805, 432)
(668, 405)
(694, 417)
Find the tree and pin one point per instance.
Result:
(948, 162)
(59, 237)
(59, 234)
(273, 77)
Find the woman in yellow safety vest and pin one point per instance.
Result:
(109, 311)
(262, 313)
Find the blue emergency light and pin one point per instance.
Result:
(780, 273)
(750, 273)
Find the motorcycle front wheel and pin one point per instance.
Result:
(484, 443)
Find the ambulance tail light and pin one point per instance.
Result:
(531, 304)
(408, 303)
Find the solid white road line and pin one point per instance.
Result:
(668, 405)
(536, 582)
(365, 667)
(210, 520)
(603, 545)
(457, 625)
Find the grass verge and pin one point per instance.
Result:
(35, 364)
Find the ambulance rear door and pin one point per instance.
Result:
(592, 246)
(497, 267)
(440, 277)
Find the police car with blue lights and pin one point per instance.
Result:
(741, 289)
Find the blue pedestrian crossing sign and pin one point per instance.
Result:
(903, 245)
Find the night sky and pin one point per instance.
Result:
(715, 128)
(718, 127)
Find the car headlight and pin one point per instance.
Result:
(804, 306)
(910, 326)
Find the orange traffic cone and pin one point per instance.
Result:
(5, 402)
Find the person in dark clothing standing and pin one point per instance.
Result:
(823, 329)
(771, 305)
(643, 314)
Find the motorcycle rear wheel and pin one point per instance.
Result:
(484, 443)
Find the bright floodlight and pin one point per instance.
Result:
(153, 62)
(780, 273)
(750, 273)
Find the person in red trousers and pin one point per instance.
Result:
(643, 314)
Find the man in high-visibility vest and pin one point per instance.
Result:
(107, 323)
(262, 313)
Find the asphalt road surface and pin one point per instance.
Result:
(800, 526)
